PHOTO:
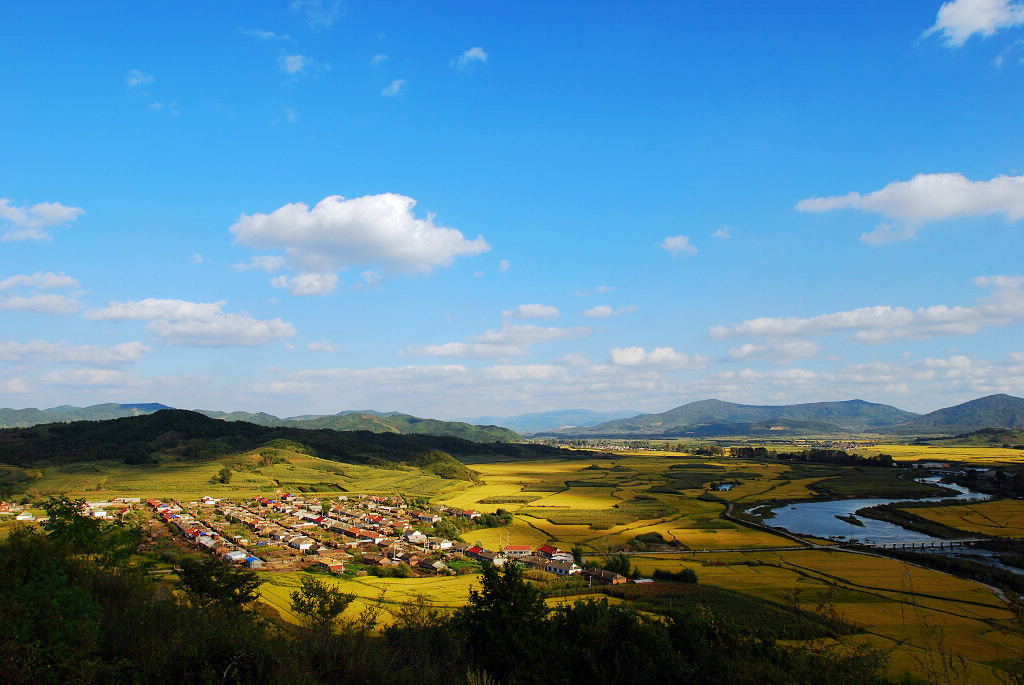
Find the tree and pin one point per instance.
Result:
(215, 582)
(618, 564)
(504, 622)
(224, 475)
(319, 604)
(66, 525)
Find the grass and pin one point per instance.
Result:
(974, 455)
(999, 518)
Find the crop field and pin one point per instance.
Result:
(980, 455)
(999, 518)
(917, 612)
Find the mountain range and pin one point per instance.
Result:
(696, 420)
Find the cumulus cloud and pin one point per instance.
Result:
(40, 281)
(678, 244)
(504, 265)
(723, 233)
(62, 353)
(378, 59)
(337, 233)
(135, 78)
(393, 88)
(508, 341)
(28, 222)
(321, 346)
(467, 350)
(264, 35)
(44, 303)
(928, 198)
(958, 20)
(307, 284)
(604, 311)
(89, 377)
(319, 14)
(469, 59)
(659, 357)
(883, 324)
(531, 311)
(195, 324)
(777, 352)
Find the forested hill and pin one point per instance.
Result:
(993, 411)
(179, 434)
(715, 417)
(390, 422)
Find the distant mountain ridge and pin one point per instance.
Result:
(992, 411)
(378, 422)
(538, 422)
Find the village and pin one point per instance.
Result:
(365, 534)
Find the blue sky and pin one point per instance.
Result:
(457, 209)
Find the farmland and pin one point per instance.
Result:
(605, 505)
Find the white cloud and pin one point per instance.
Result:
(599, 290)
(504, 265)
(659, 357)
(196, 258)
(778, 352)
(724, 233)
(89, 378)
(378, 59)
(269, 263)
(469, 58)
(15, 386)
(604, 311)
(62, 353)
(290, 115)
(152, 308)
(959, 20)
(882, 324)
(321, 346)
(29, 221)
(195, 324)
(370, 230)
(678, 244)
(44, 303)
(467, 350)
(573, 359)
(531, 311)
(927, 198)
(306, 284)
(393, 88)
(136, 78)
(319, 14)
(294, 64)
(39, 280)
(226, 330)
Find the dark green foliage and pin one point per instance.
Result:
(618, 563)
(446, 466)
(319, 604)
(213, 581)
(502, 517)
(190, 435)
(683, 575)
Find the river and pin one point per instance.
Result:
(818, 519)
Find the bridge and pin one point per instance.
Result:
(927, 544)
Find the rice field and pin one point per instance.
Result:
(999, 518)
(980, 455)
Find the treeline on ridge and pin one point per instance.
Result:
(192, 436)
(815, 455)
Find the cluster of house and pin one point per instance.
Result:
(381, 529)
(118, 506)
(20, 512)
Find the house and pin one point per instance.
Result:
(473, 552)
(562, 556)
(415, 537)
(547, 551)
(489, 557)
(602, 577)
(431, 566)
(533, 562)
(253, 562)
(438, 543)
(24, 516)
(460, 547)
(472, 514)
(518, 551)
(237, 556)
(331, 565)
(561, 568)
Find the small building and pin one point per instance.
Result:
(518, 551)
(331, 565)
(561, 568)
(253, 562)
(547, 551)
(603, 577)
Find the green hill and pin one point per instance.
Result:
(185, 435)
(22, 418)
(715, 417)
(993, 411)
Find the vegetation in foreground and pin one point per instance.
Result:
(77, 609)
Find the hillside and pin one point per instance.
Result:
(539, 422)
(986, 437)
(993, 411)
(717, 418)
(22, 418)
(390, 422)
(186, 435)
